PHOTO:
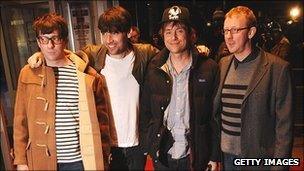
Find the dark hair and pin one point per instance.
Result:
(187, 27)
(115, 19)
(50, 22)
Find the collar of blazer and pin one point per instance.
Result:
(256, 77)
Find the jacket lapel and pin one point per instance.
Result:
(101, 58)
(258, 74)
(136, 60)
(225, 65)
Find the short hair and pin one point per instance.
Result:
(50, 22)
(243, 11)
(115, 19)
(187, 27)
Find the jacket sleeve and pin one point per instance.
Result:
(152, 51)
(145, 114)
(215, 127)
(103, 113)
(88, 54)
(284, 115)
(21, 135)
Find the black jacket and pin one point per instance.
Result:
(95, 55)
(203, 82)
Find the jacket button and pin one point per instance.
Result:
(168, 81)
(155, 161)
(162, 108)
(158, 135)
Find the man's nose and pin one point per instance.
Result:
(50, 44)
(174, 36)
(109, 38)
(228, 34)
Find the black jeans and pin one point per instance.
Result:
(228, 162)
(130, 158)
(174, 164)
(70, 166)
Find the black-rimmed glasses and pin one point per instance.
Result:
(233, 30)
(45, 40)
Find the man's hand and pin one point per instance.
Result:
(212, 166)
(35, 60)
(203, 49)
(22, 167)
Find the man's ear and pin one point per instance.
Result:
(252, 32)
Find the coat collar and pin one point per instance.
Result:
(43, 71)
(258, 73)
(100, 63)
(80, 63)
(256, 77)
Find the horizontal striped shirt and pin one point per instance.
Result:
(233, 93)
(67, 115)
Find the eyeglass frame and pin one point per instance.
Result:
(55, 42)
(234, 30)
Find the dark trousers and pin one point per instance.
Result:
(173, 164)
(228, 162)
(131, 158)
(70, 166)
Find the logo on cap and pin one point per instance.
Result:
(174, 12)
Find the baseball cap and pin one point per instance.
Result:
(176, 13)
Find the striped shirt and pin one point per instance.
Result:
(233, 93)
(232, 98)
(67, 115)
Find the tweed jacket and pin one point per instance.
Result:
(34, 118)
(266, 111)
(203, 81)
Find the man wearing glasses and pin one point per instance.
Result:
(56, 123)
(254, 101)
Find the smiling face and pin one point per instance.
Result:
(176, 37)
(237, 43)
(51, 46)
(116, 42)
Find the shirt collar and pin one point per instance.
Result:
(252, 56)
(171, 67)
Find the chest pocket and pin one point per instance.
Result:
(201, 85)
(37, 80)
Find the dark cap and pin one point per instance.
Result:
(176, 13)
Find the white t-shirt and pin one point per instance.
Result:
(124, 96)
